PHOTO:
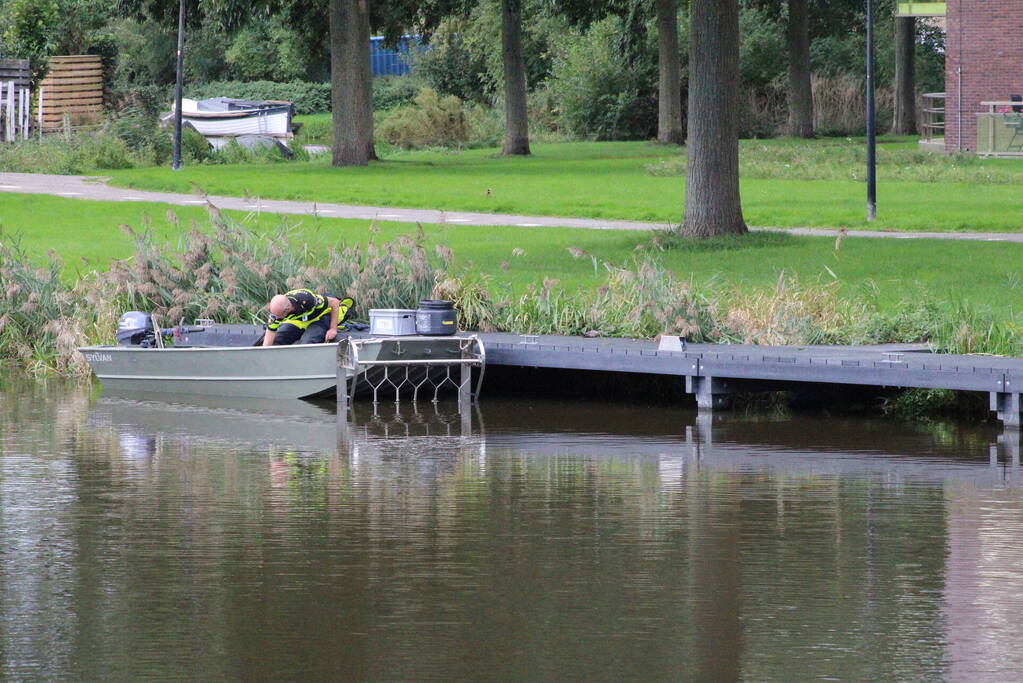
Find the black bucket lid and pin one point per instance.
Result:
(436, 305)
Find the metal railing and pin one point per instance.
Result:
(933, 111)
(412, 366)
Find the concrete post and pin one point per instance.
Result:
(1007, 406)
(711, 392)
(1006, 449)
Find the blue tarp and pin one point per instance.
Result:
(387, 62)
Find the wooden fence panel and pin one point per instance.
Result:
(14, 70)
(73, 88)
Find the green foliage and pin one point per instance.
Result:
(233, 153)
(597, 93)
(266, 50)
(763, 61)
(306, 97)
(32, 32)
(145, 54)
(451, 68)
(432, 122)
(81, 153)
(194, 146)
(393, 91)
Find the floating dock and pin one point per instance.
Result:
(714, 371)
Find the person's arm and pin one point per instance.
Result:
(268, 337)
(335, 305)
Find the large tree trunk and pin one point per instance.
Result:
(516, 136)
(669, 106)
(712, 165)
(367, 79)
(351, 93)
(905, 81)
(797, 38)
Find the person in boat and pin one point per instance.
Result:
(302, 315)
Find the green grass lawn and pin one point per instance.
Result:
(986, 274)
(785, 183)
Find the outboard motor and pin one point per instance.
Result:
(136, 329)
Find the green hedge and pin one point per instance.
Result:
(308, 98)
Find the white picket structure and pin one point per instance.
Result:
(15, 112)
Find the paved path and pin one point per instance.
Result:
(86, 187)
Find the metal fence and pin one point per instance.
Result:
(386, 61)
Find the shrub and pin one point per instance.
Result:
(600, 95)
(432, 121)
(450, 67)
(194, 146)
(394, 91)
(264, 50)
(31, 32)
(306, 97)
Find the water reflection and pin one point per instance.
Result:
(150, 538)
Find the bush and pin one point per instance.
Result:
(600, 95)
(450, 67)
(83, 152)
(233, 153)
(265, 49)
(307, 97)
(393, 91)
(432, 121)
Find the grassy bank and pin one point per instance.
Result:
(228, 272)
(785, 183)
(982, 274)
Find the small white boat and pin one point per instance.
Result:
(221, 119)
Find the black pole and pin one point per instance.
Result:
(176, 162)
(871, 149)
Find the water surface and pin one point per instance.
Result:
(539, 540)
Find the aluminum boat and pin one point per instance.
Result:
(297, 371)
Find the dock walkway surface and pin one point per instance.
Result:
(714, 371)
(95, 188)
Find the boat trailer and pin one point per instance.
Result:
(413, 366)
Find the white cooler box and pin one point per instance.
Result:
(392, 322)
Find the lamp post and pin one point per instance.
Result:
(871, 149)
(176, 161)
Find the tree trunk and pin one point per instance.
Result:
(712, 205)
(797, 39)
(516, 136)
(367, 79)
(351, 95)
(905, 80)
(669, 105)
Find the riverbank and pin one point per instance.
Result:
(784, 289)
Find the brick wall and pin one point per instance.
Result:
(985, 38)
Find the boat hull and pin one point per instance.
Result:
(259, 372)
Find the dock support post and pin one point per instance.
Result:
(464, 388)
(1008, 445)
(342, 394)
(1007, 406)
(711, 392)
